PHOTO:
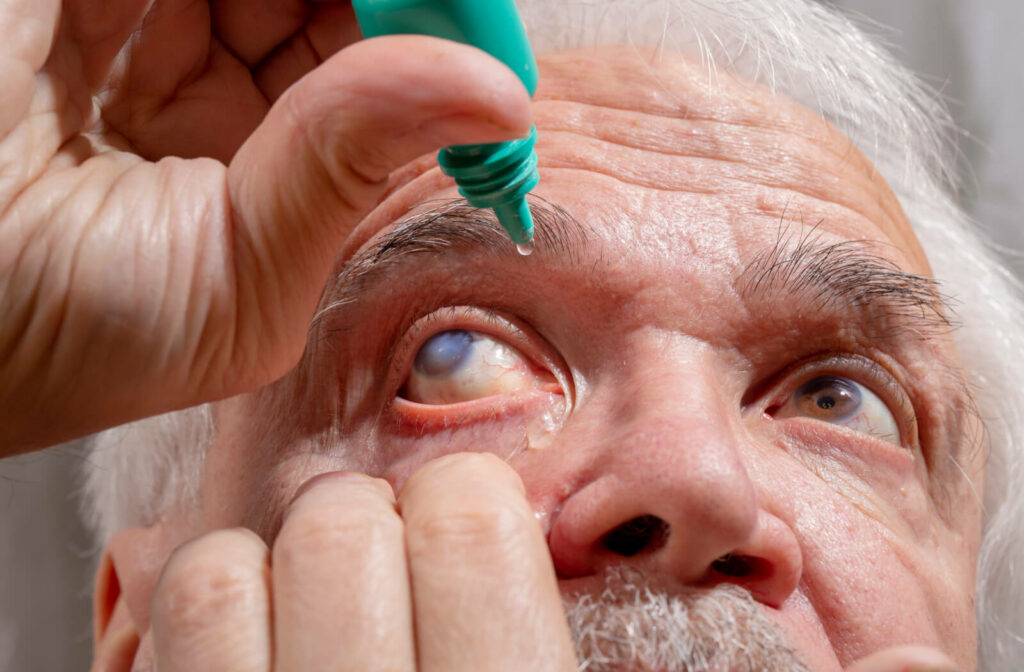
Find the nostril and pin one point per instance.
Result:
(741, 566)
(645, 533)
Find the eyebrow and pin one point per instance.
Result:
(838, 277)
(450, 226)
(849, 275)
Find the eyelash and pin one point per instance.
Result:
(867, 372)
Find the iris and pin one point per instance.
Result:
(444, 353)
(829, 398)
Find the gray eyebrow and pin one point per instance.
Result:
(451, 226)
(852, 275)
(845, 276)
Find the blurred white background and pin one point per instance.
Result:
(972, 51)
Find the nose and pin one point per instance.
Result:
(668, 491)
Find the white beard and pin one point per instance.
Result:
(632, 627)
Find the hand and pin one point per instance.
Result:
(176, 179)
(454, 576)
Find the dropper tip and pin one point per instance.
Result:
(518, 222)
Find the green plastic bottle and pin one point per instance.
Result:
(497, 175)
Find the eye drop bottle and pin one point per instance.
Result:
(497, 175)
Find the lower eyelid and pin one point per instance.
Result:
(422, 419)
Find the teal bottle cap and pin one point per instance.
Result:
(498, 175)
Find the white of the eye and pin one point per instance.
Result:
(874, 417)
(492, 368)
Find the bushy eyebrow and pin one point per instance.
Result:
(447, 227)
(847, 276)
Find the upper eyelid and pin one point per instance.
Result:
(522, 337)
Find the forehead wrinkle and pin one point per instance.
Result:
(681, 170)
(451, 226)
(794, 148)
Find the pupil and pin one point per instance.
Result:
(443, 353)
(829, 398)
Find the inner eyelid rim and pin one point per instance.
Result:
(882, 382)
(491, 322)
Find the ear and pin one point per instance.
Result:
(128, 572)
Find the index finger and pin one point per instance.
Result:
(484, 591)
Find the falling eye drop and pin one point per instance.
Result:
(497, 175)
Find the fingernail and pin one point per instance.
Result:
(470, 129)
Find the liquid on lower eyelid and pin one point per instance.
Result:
(541, 429)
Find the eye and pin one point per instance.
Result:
(460, 365)
(841, 401)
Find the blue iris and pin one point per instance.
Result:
(444, 353)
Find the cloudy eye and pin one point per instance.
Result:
(459, 365)
(841, 401)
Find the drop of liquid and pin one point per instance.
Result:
(525, 249)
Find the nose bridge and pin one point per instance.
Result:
(666, 447)
(671, 403)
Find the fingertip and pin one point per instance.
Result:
(335, 479)
(460, 94)
(464, 470)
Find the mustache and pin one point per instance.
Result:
(633, 625)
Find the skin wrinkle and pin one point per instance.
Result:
(748, 106)
(634, 175)
(698, 141)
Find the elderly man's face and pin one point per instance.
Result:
(719, 366)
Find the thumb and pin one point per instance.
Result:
(905, 659)
(321, 158)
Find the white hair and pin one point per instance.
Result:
(813, 54)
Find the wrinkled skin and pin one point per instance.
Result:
(670, 375)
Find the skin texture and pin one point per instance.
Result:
(449, 531)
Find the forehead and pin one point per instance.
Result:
(657, 150)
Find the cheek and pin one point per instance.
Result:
(869, 583)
